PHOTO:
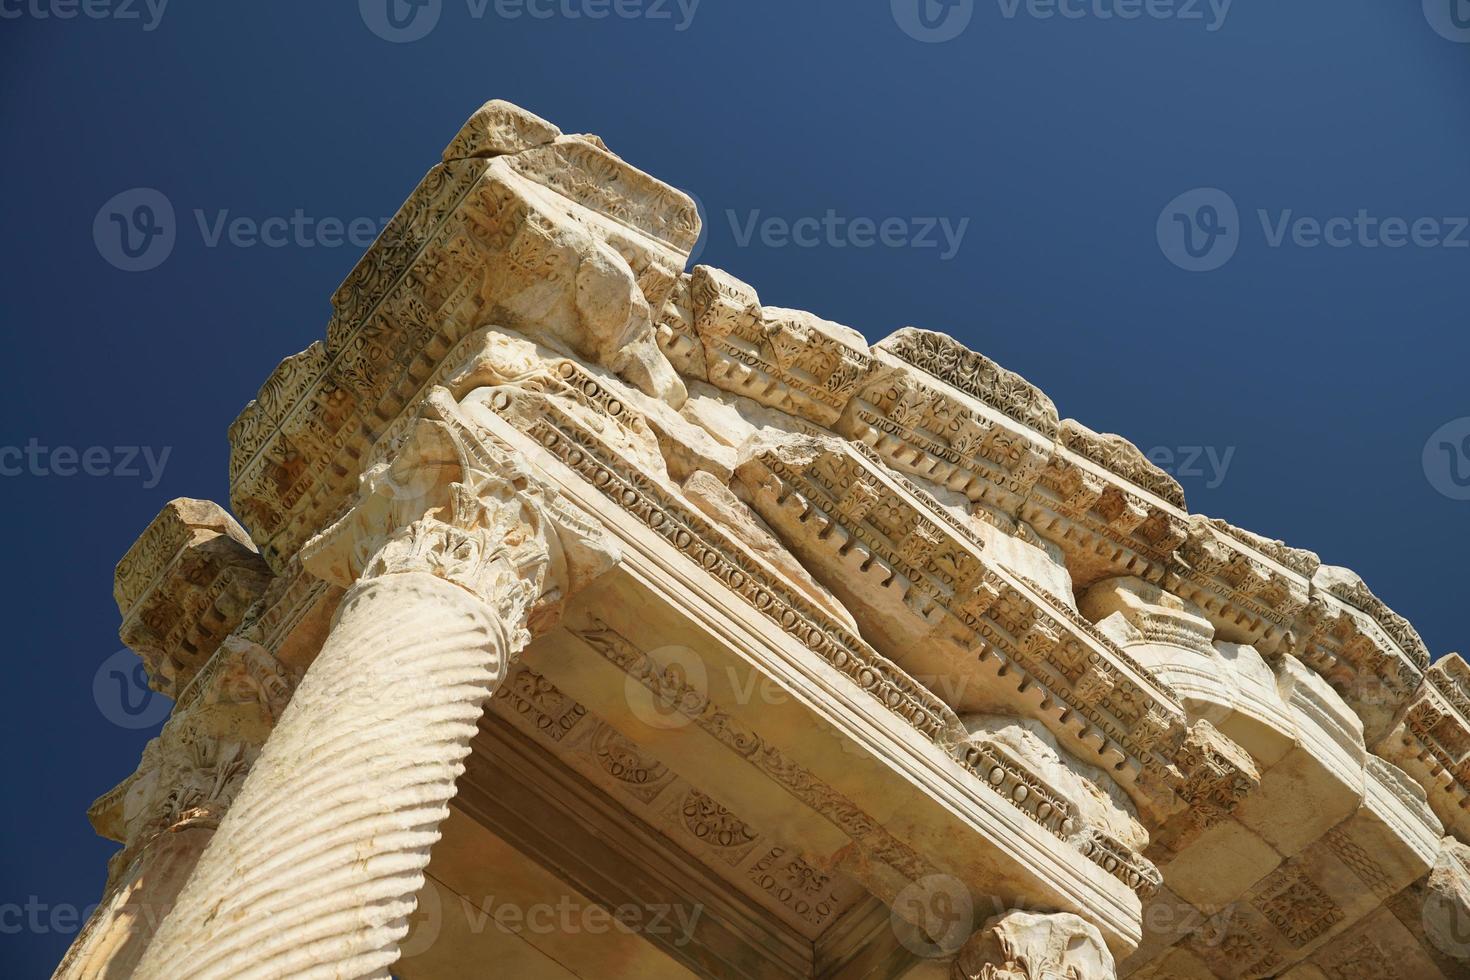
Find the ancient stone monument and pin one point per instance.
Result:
(585, 617)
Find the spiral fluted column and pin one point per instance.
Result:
(314, 869)
(313, 873)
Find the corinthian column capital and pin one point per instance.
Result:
(451, 501)
(1030, 946)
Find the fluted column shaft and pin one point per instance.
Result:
(314, 869)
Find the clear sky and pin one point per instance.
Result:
(1017, 184)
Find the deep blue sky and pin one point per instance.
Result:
(1324, 370)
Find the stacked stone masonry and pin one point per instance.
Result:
(564, 573)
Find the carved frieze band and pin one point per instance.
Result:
(670, 689)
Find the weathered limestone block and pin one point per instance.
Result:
(934, 412)
(1030, 946)
(721, 505)
(1312, 905)
(1430, 740)
(1118, 455)
(1228, 684)
(1094, 797)
(568, 259)
(1369, 654)
(183, 586)
(786, 359)
(497, 128)
(1321, 781)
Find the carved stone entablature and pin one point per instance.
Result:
(975, 374)
(1119, 860)
(898, 535)
(920, 585)
(183, 586)
(1217, 776)
(1354, 655)
(560, 238)
(677, 336)
(787, 359)
(1349, 643)
(1032, 946)
(1430, 740)
(591, 456)
(1450, 674)
(1345, 584)
(1105, 525)
(1251, 598)
(930, 430)
(1005, 773)
(924, 575)
(1009, 777)
(1299, 560)
(1118, 455)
